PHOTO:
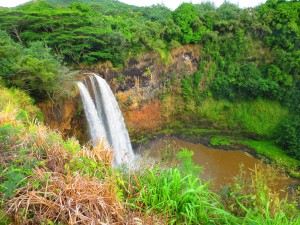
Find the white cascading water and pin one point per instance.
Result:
(95, 128)
(105, 119)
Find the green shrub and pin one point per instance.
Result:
(243, 81)
(190, 88)
(220, 141)
(11, 180)
(87, 167)
(289, 138)
(34, 69)
(17, 100)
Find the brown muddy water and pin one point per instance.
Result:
(219, 166)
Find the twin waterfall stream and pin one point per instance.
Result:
(104, 117)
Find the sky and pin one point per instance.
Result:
(172, 4)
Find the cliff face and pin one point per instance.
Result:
(66, 116)
(135, 86)
(151, 69)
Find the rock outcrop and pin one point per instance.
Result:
(136, 87)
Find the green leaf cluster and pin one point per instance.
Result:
(191, 91)
(34, 69)
(289, 137)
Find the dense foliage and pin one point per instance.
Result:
(290, 136)
(250, 53)
(34, 69)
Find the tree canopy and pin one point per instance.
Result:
(89, 31)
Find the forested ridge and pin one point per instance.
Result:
(246, 89)
(261, 43)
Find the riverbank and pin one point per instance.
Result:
(218, 166)
(265, 150)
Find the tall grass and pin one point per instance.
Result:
(178, 195)
(18, 101)
(46, 179)
(56, 180)
(70, 199)
(271, 151)
(180, 199)
(252, 200)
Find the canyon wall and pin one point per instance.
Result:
(137, 87)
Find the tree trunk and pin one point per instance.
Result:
(16, 33)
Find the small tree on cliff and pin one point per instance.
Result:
(186, 17)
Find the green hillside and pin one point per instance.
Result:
(103, 5)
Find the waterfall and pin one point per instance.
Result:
(96, 129)
(105, 119)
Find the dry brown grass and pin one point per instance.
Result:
(54, 193)
(99, 153)
(59, 191)
(70, 199)
(74, 199)
(46, 144)
(8, 116)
